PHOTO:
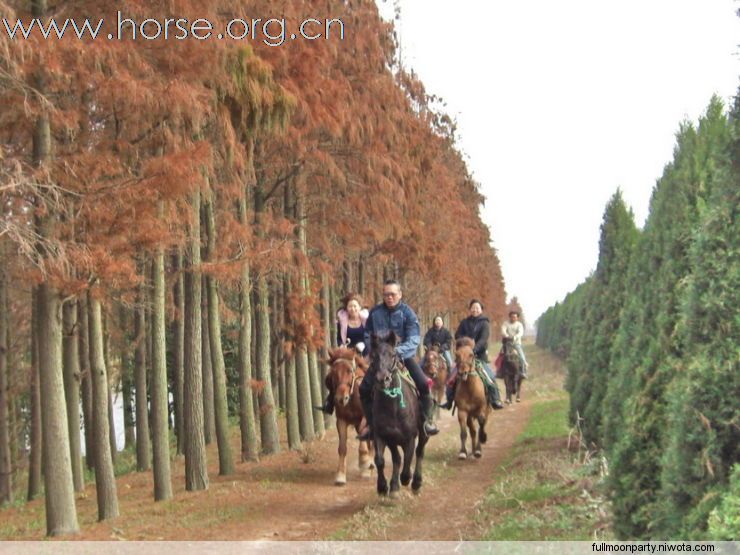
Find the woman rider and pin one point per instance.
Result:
(478, 328)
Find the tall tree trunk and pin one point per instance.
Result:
(249, 446)
(314, 382)
(291, 386)
(221, 407)
(361, 289)
(127, 383)
(267, 412)
(209, 418)
(84, 351)
(347, 275)
(105, 481)
(61, 513)
(112, 386)
(35, 439)
(72, 390)
(159, 393)
(178, 336)
(143, 445)
(6, 478)
(196, 471)
(276, 350)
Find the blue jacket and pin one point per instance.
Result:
(402, 320)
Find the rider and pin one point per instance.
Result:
(514, 330)
(393, 315)
(478, 328)
(351, 320)
(439, 335)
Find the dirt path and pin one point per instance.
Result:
(291, 496)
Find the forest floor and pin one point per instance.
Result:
(291, 496)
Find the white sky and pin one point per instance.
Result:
(558, 103)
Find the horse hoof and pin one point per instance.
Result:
(478, 454)
(405, 480)
(508, 401)
(340, 481)
(365, 474)
(462, 456)
(394, 495)
(518, 400)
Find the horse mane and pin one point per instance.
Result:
(345, 353)
(464, 342)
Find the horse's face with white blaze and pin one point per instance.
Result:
(464, 357)
(384, 357)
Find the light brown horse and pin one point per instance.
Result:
(344, 378)
(435, 366)
(470, 398)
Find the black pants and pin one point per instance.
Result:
(417, 374)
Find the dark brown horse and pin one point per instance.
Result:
(344, 378)
(470, 398)
(511, 368)
(435, 366)
(397, 415)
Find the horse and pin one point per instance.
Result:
(470, 398)
(511, 368)
(397, 415)
(434, 365)
(347, 368)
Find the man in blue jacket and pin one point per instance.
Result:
(394, 315)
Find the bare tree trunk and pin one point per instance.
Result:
(209, 418)
(61, 513)
(6, 469)
(112, 386)
(35, 440)
(249, 447)
(178, 335)
(143, 445)
(291, 385)
(127, 383)
(196, 471)
(221, 407)
(160, 400)
(105, 482)
(84, 352)
(72, 390)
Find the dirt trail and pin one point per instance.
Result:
(291, 496)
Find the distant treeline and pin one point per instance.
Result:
(651, 343)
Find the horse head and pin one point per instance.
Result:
(347, 368)
(385, 361)
(431, 362)
(465, 357)
(510, 353)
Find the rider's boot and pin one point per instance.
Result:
(328, 406)
(494, 397)
(367, 408)
(450, 395)
(525, 367)
(427, 407)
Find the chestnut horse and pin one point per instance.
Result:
(470, 398)
(344, 378)
(435, 366)
(511, 368)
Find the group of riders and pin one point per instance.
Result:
(356, 325)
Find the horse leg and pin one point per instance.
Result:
(380, 465)
(408, 454)
(474, 436)
(509, 386)
(519, 389)
(395, 484)
(341, 478)
(482, 436)
(462, 417)
(364, 459)
(416, 483)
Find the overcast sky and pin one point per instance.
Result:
(559, 103)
